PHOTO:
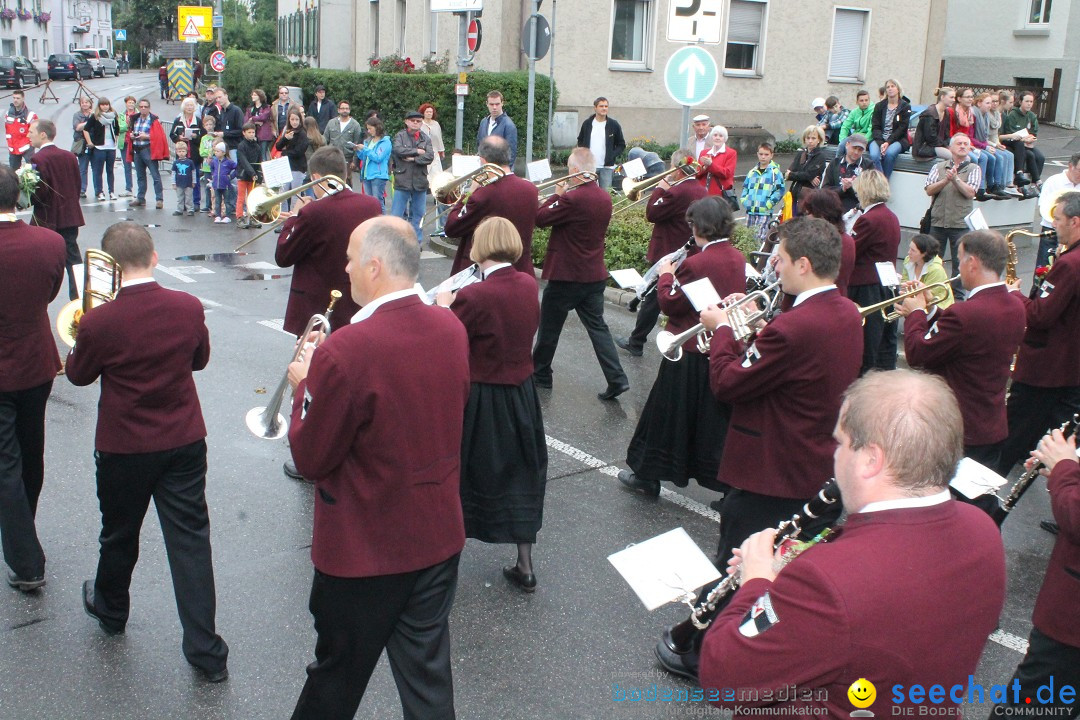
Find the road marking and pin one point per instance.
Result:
(176, 273)
(1007, 639)
(276, 324)
(261, 265)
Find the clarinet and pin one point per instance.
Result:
(652, 277)
(824, 502)
(1028, 477)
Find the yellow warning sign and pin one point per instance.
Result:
(195, 24)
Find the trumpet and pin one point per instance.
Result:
(584, 176)
(633, 190)
(743, 314)
(447, 188)
(868, 310)
(265, 208)
(67, 322)
(268, 422)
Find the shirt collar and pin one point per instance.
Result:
(45, 145)
(493, 268)
(369, 309)
(868, 208)
(136, 281)
(916, 502)
(971, 294)
(713, 242)
(805, 294)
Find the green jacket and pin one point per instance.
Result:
(858, 121)
(1016, 120)
(121, 118)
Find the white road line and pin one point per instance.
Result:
(276, 324)
(176, 274)
(1013, 642)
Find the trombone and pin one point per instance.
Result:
(584, 176)
(634, 190)
(868, 310)
(743, 315)
(67, 322)
(268, 422)
(447, 188)
(264, 208)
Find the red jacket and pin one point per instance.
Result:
(1058, 603)
(725, 267)
(578, 220)
(33, 262)
(511, 197)
(1050, 353)
(718, 171)
(501, 315)
(377, 425)
(159, 143)
(17, 128)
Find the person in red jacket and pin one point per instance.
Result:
(717, 162)
(17, 128)
(56, 197)
(148, 146)
(1053, 656)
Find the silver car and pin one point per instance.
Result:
(101, 60)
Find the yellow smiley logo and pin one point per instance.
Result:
(862, 693)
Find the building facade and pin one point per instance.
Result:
(36, 29)
(1033, 44)
(774, 57)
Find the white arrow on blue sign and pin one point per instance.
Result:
(121, 34)
(690, 76)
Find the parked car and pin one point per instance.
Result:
(100, 60)
(16, 72)
(69, 66)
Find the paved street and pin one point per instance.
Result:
(554, 654)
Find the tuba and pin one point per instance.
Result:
(67, 322)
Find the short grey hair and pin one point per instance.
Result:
(957, 136)
(582, 159)
(719, 130)
(188, 102)
(394, 243)
(1069, 203)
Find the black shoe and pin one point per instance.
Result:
(614, 390)
(213, 676)
(542, 382)
(91, 610)
(1022, 178)
(639, 484)
(137, 203)
(624, 343)
(525, 581)
(676, 664)
(981, 196)
(290, 471)
(25, 584)
(1047, 525)
(178, 212)
(998, 193)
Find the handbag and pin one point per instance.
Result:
(78, 146)
(732, 201)
(274, 152)
(786, 213)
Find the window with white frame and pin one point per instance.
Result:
(631, 34)
(745, 37)
(375, 29)
(1039, 13)
(847, 58)
(433, 30)
(401, 14)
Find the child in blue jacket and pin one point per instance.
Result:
(762, 190)
(222, 173)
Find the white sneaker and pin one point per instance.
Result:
(226, 220)
(126, 193)
(101, 196)
(112, 196)
(218, 219)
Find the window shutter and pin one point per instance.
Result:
(847, 48)
(744, 22)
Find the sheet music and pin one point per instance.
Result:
(665, 568)
(975, 220)
(973, 479)
(701, 294)
(276, 173)
(887, 274)
(627, 279)
(464, 164)
(751, 271)
(634, 169)
(538, 170)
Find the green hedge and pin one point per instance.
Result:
(394, 94)
(628, 240)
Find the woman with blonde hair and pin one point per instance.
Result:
(503, 448)
(808, 166)
(890, 122)
(101, 132)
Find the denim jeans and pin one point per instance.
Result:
(225, 201)
(888, 159)
(376, 188)
(412, 202)
(142, 162)
(127, 171)
(84, 166)
(1003, 175)
(988, 165)
(103, 159)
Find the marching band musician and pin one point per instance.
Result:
(785, 392)
(503, 448)
(877, 239)
(314, 239)
(680, 433)
(33, 261)
(510, 196)
(666, 209)
(971, 344)
(150, 443)
(574, 268)
(1046, 381)
(1053, 654)
(377, 425)
(867, 603)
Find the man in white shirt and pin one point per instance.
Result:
(1067, 181)
(602, 135)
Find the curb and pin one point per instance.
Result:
(613, 295)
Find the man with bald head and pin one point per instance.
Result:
(388, 525)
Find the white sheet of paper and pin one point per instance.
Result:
(1021, 134)
(277, 173)
(79, 272)
(634, 169)
(887, 274)
(973, 479)
(628, 278)
(975, 220)
(464, 164)
(751, 271)
(538, 170)
(665, 568)
(701, 294)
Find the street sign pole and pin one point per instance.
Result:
(551, 82)
(463, 51)
(532, 81)
(684, 131)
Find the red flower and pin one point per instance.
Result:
(1041, 271)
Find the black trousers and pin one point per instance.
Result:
(1028, 159)
(74, 257)
(879, 337)
(1046, 660)
(1032, 412)
(588, 300)
(647, 313)
(22, 472)
(176, 480)
(355, 618)
(949, 238)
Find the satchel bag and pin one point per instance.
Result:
(732, 201)
(79, 146)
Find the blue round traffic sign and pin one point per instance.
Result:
(690, 76)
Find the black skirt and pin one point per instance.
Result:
(503, 463)
(680, 434)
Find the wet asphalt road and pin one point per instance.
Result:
(554, 654)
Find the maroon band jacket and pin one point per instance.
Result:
(56, 197)
(578, 220)
(501, 315)
(666, 209)
(725, 267)
(1059, 599)
(1050, 353)
(877, 239)
(511, 197)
